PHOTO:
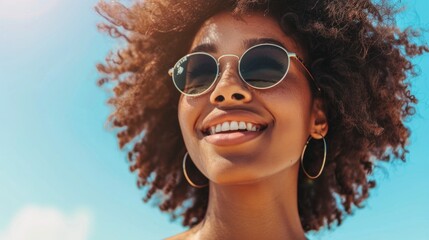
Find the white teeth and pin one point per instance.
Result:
(212, 130)
(225, 126)
(218, 128)
(233, 126)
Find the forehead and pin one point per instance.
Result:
(224, 33)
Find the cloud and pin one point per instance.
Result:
(25, 9)
(47, 223)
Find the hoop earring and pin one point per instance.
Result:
(186, 174)
(324, 158)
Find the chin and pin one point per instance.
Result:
(237, 170)
(248, 170)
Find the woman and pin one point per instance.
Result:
(283, 108)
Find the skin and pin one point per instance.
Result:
(253, 184)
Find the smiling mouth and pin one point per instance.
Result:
(234, 126)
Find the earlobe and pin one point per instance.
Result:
(319, 120)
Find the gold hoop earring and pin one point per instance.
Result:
(186, 174)
(324, 158)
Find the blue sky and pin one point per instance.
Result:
(61, 171)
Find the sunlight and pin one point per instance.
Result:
(25, 9)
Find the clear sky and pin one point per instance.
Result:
(62, 175)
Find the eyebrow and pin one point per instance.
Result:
(247, 43)
(205, 47)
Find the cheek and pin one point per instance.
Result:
(184, 116)
(291, 112)
(188, 116)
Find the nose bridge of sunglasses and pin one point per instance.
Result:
(224, 56)
(227, 55)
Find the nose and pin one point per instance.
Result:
(230, 89)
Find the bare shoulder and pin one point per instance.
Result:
(186, 235)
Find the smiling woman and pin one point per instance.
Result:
(275, 114)
(25, 9)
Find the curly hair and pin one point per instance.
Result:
(358, 55)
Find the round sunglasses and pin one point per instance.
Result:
(261, 66)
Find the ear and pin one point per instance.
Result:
(318, 119)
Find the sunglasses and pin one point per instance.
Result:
(261, 66)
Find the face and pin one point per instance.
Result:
(283, 116)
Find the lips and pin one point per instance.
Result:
(231, 138)
(232, 127)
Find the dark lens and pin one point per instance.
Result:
(195, 73)
(264, 66)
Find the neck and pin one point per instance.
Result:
(266, 209)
